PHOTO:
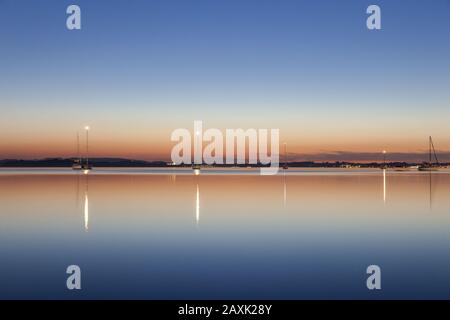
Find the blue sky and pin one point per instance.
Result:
(310, 68)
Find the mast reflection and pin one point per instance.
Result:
(284, 189)
(86, 212)
(197, 206)
(86, 202)
(430, 183)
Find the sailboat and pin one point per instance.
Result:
(429, 166)
(77, 165)
(86, 166)
(196, 166)
(384, 166)
(285, 166)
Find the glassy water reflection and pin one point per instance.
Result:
(224, 234)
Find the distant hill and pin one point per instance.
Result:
(67, 162)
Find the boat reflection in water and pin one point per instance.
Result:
(85, 198)
(86, 206)
(430, 166)
(284, 189)
(197, 206)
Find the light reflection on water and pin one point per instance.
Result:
(300, 234)
(86, 211)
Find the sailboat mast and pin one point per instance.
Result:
(430, 166)
(87, 147)
(78, 148)
(434, 151)
(429, 150)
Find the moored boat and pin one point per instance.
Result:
(430, 166)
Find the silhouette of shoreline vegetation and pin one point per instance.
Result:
(121, 162)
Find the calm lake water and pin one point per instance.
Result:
(167, 234)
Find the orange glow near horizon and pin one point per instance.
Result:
(153, 142)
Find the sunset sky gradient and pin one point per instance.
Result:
(140, 69)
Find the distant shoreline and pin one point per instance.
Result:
(129, 163)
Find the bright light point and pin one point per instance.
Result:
(384, 151)
(197, 133)
(87, 128)
(85, 171)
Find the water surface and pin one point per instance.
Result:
(168, 234)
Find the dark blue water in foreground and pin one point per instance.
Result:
(162, 236)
